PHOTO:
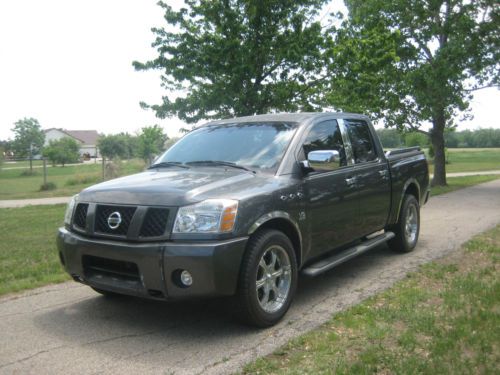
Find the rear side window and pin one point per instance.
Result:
(363, 147)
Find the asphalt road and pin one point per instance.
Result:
(69, 329)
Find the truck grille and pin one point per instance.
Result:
(155, 222)
(103, 213)
(80, 216)
(131, 223)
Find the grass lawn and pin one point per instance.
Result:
(69, 180)
(28, 255)
(443, 319)
(456, 183)
(471, 160)
(20, 164)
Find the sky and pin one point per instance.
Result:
(68, 64)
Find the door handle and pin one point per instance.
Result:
(383, 173)
(350, 181)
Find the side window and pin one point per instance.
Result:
(325, 136)
(363, 147)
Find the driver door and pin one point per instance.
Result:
(332, 204)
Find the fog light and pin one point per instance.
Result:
(186, 278)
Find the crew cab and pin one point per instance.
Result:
(241, 207)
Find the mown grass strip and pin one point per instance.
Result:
(457, 183)
(28, 255)
(443, 319)
(69, 180)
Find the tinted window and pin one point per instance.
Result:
(255, 145)
(361, 141)
(326, 136)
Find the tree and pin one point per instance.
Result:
(62, 151)
(151, 142)
(238, 57)
(415, 62)
(390, 138)
(413, 138)
(28, 139)
(112, 146)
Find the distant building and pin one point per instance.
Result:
(87, 139)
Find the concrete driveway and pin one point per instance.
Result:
(69, 329)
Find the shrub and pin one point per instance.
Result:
(48, 186)
(28, 173)
(83, 179)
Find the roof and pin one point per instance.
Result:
(88, 137)
(287, 117)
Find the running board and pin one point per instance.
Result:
(336, 259)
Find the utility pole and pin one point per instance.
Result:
(31, 158)
(44, 171)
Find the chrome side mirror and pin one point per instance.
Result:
(324, 159)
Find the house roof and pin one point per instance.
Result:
(88, 137)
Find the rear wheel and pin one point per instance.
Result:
(407, 229)
(268, 278)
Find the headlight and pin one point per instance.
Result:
(69, 210)
(209, 216)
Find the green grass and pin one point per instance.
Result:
(443, 319)
(20, 164)
(471, 160)
(28, 255)
(69, 180)
(456, 183)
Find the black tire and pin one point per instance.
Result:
(261, 246)
(403, 242)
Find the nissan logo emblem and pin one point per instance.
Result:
(114, 220)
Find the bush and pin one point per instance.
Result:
(112, 169)
(83, 179)
(48, 186)
(28, 173)
(62, 151)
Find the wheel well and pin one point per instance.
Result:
(413, 190)
(289, 230)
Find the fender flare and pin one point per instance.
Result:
(408, 182)
(278, 215)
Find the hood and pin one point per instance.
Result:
(173, 187)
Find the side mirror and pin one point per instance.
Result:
(321, 160)
(323, 157)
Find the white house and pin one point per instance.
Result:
(87, 139)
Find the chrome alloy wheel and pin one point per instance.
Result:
(273, 279)
(411, 225)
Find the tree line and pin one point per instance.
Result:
(405, 62)
(480, 138)
(29, 142)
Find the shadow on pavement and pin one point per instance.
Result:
(135, 325)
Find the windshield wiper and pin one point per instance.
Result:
(164, 164)
(220, 162)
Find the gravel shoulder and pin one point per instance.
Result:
(69, 329)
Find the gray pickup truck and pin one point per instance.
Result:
(241, 207)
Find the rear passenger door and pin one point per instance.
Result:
(372, 177)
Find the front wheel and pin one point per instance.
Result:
(268, 278)
(407, 229)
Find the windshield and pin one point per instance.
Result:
(257, 145)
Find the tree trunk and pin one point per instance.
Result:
(437, 139)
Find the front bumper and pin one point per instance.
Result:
(152, 269)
